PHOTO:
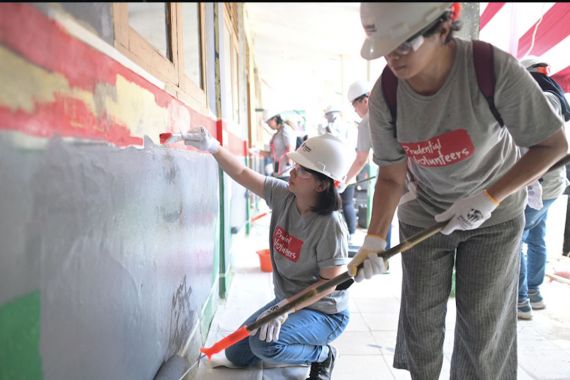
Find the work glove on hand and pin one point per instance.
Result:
(269, 331)
(535, 195)
(368, 256)
(201, 139)
(467, 213)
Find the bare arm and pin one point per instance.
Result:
(326, 274)
(531, 166)
(357, 165)
(388, 191)
(239, 172)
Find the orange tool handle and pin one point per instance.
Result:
(226, 342)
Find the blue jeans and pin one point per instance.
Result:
(532, 266)
(348, 211)
(302, 340)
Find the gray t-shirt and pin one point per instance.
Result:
(453, 144)
(554, 183)
(363, 142)
(302, 245)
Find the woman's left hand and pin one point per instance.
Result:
(269, 331)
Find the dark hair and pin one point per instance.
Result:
(327, 200)
(436, 27)
(278, 119)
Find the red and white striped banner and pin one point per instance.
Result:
(540, 29)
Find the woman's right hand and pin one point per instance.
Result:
(201, 139)
(367, 255)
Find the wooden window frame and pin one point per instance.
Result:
(135, 47)
(233, 48)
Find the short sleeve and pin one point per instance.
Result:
(387, 150)
(275, 192)
(332, 248)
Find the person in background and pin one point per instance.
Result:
(282, 142)
(541, 196)
(358, 94)
(469, 177)
(308, 245)
(566, 242)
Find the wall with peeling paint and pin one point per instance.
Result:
(108, 242)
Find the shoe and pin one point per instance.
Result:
(323, 370)
(536, 301)
(524, 310)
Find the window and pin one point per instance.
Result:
(166, 39)
(231, 71)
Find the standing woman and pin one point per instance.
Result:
(282, 142)
(468, 171)
(308, 243)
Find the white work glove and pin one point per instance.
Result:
(368, 256)
(467, 213)
(535, 195)
(201, 139)
(269, 331)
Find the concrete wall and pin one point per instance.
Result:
(108, 241)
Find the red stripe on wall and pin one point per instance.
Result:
(553, 28)
(563, 78)
(489, 13)
(66, 117)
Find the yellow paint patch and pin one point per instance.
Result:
(24, 85)
(136, 107)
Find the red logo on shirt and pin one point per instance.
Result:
(442, 150)
(287, 245)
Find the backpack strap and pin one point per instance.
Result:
(389, 90)
(485, 73)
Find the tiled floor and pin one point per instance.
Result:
(367, 346)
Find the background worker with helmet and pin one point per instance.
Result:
(358, 94)
(281, 143)
(308, 244)
(552, 185)
(468, 173)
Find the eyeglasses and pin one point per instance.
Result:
(302, 172)
(410, 45)
(413, 43)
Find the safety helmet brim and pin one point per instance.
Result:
(388, 25)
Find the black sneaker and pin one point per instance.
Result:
(323, 370)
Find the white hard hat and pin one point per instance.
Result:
(269, 113)
(531, 61)
(332, 108)
(357, 89)
(387, 25)
(325, 154)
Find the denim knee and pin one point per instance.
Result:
(266, 351)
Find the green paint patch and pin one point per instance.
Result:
(19, 339)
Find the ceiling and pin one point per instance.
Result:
(307, 54)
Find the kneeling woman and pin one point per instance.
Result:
(308, 243)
